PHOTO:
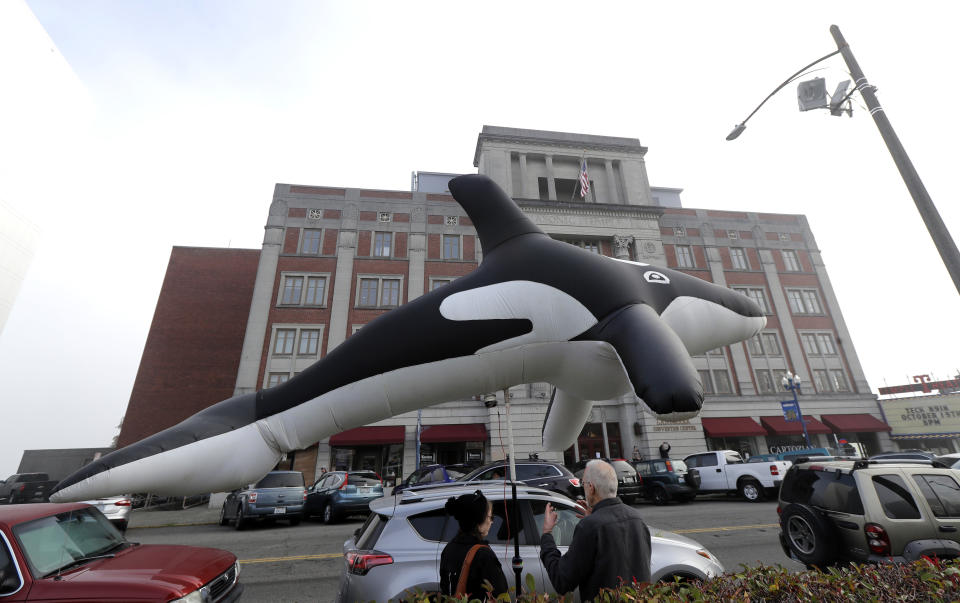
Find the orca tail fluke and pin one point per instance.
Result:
(213, 450)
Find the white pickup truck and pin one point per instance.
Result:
(724, 471)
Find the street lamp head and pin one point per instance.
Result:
(737, 131)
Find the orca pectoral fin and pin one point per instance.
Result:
(566, 416)
(655, 359)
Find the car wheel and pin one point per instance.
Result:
(328, 516)
(751, 490)
(659, 496)
(223, 515)
(809, 535)
(241, 520)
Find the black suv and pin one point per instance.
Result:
(667, 479)
(629, 482)
(532, 472)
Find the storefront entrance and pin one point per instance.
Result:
(590, 444)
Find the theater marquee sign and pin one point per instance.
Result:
(923, 415)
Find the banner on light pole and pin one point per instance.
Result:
(791, 410)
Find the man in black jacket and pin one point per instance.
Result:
(611, 546)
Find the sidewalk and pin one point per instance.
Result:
(201, 515)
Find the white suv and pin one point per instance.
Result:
(399, 546)
(870, 511)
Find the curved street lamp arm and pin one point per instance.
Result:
(739, 129)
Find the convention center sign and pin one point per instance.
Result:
(920, 416)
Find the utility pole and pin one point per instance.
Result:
(931, 217)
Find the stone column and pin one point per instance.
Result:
(740, 364)
(551, 185)
(417, 248)
(614, 194)
(263, 295)
(524, 189)
(343, 285)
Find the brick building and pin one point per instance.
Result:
(334, 259)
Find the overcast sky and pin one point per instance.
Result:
(128, 127)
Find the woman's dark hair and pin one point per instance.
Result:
(470, 510)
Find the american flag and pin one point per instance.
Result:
(584, 179)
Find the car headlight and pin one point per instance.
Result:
(194, 597)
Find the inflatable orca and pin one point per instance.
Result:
(535, 310)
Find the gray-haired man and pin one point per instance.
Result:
(609, 547)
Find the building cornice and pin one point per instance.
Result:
(560, 140)
(643, 212)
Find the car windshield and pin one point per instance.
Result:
(281, 480)
(456, 473)
(58, 541)
(363, 479)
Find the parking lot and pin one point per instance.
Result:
(303, 563)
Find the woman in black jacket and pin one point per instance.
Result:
(474, 514)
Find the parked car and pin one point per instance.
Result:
(398, 548)
(69, 551)
(114, 508)
(279, 495)
(663, 480)
(532, 472)
(629, 481)
(338, 494)
(26, 487)
(434, 474)
(869, 511)
(723, 471)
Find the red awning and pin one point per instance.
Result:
(463, 432)
(854, 423)
(721, 427)
(779, 426)
(369, 436)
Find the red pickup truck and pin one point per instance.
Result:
(71, 552)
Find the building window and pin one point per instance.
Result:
(810, 344)
(757, 294)
(684, 256)
(826, 344)
(591, 246)
(283, 344)
(771, 344)
(790, 261)
(754, 345)
(274, 379)
(451, 220)
(384, 216)
(378, 291)
(309, 342)
(303, 290)
(436, 283)
(839, 383)
(451, 247)
(706, 381)
(821, 380)
(679, 231)
(721, 381)
(383, 244)
(739, 258)
(310, 244)
(765, 382)
(804, 301)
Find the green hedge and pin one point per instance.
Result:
(929, 580)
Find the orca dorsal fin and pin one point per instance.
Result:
(495, 215)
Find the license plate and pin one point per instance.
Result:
(279, 510)
(364, 489)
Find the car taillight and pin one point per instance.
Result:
(361, 562)
(779, 510)
(252, 497)
(774, 470)
(669, 466)
(124, 502)
(304, 495)
(574, 482)
(343, 486)
(877, 539)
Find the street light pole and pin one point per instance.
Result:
(931, 217)
(792, 383)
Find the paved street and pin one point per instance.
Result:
(303, 563)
